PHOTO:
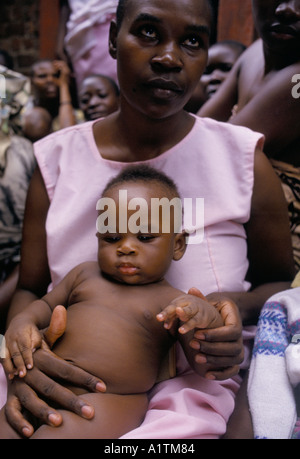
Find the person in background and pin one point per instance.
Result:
(259, 94)
(98, 96)
(221, 58)
(17, 163)
(50, 83)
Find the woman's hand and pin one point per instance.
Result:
(221, 347)
(24, 393)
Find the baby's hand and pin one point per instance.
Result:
(22, 338)
(195, 312)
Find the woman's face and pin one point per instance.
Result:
(278, 24)
(161, 49)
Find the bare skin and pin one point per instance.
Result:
(260, 84)
(110, 335)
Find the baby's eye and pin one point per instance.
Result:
(145, 237)
(111, 239)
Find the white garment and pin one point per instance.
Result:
(275, 367)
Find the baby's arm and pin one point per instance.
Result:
(193, 313)
(23, 337)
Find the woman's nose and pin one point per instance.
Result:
(168, 57)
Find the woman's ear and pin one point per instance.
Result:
(113, 40)
(179, 245)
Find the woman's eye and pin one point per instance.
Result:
(193, 42)
(148, 32)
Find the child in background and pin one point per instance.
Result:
(98, 96)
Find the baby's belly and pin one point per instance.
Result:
(117, 353)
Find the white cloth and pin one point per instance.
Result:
(275, 367)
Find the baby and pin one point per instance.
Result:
(115, 310)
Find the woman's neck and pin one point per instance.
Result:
(127, 138)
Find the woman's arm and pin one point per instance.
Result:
(7, 289)
(271, 265)
(34, 276)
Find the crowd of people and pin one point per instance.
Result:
(140, 101)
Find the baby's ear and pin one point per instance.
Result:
(113, 40)
(179, 245)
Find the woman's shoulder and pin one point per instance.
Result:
(226, 130)
(63, 135)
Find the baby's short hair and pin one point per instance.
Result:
(142, 173)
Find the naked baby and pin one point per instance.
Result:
(122, 315)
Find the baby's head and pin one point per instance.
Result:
(139, 226)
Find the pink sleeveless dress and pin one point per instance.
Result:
(213, 162)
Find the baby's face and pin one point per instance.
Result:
(137, 244)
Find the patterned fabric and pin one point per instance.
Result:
(17, 163)
(290, 178)
(275, 367)
(14, 181)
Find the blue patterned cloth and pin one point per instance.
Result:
(275, 368)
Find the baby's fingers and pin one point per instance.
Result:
(190, 315)
(167, 315)
(21, 355)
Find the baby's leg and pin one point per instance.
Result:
(6, 431)
(115, 415)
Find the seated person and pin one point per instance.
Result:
(98, 96)
(51, 90)
(134, 299)
(259, 94)
(17, 164)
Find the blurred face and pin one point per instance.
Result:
(97, 98)
(278, 24)
(138, 257)
(45, 80)
(221, 59)
(161, 49)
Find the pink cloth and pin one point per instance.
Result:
(3, 387)
(87, 37)
(215, 162)
(97, 59)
